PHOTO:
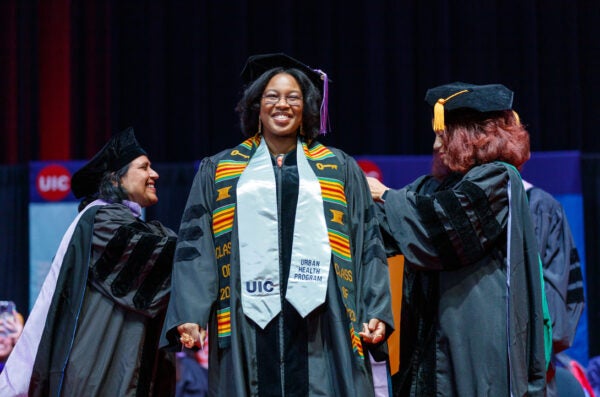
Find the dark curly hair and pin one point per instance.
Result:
(248, 107)
(109, 189)
(472, 138)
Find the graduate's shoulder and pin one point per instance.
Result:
(215, 158)
(343, 157)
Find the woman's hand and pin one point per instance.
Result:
(373, 332)
(377, 188)
(191, 335)
(11, 326)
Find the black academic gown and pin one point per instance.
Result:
(292, 355)
(561, 269)
(102, 330)
(463, 332)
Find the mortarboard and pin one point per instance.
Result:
(457, 95)
(256, 65)
(119, 151)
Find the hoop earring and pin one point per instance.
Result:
(259, 126)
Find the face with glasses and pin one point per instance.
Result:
(281, 108)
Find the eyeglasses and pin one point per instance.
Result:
(292, 100)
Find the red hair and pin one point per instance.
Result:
(472, 138)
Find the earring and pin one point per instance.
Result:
(301, 130)
(259, 125)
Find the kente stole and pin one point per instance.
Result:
(327, 168)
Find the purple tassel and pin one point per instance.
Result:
(325, 101)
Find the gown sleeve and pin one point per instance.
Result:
(195, 275)
(561, 267)
(132, 260)
(373, 281)
(450, 228)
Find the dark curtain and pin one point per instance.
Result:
(19, 83)
(171, 69)
(14, 236)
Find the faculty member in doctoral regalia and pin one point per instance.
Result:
(562, 272)
(280, 255)
(473, 321)
(95, 326)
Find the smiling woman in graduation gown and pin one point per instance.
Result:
(280, 347)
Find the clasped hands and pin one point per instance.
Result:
(193, 335)
(373, 332)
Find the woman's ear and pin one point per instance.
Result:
(115, 181)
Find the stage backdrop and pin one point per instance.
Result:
(556, 172)
(52, 208)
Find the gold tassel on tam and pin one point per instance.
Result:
(517, 117)
(438, 115)
(438, 111)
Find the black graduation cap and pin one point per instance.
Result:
(119, 151)
(256, 65)
(457, 95)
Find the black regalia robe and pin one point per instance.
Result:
(561, 269)
(472, 312)
(292, 356)
(101, 332)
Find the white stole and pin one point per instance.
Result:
(258, 226)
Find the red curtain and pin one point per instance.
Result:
(55, 80)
